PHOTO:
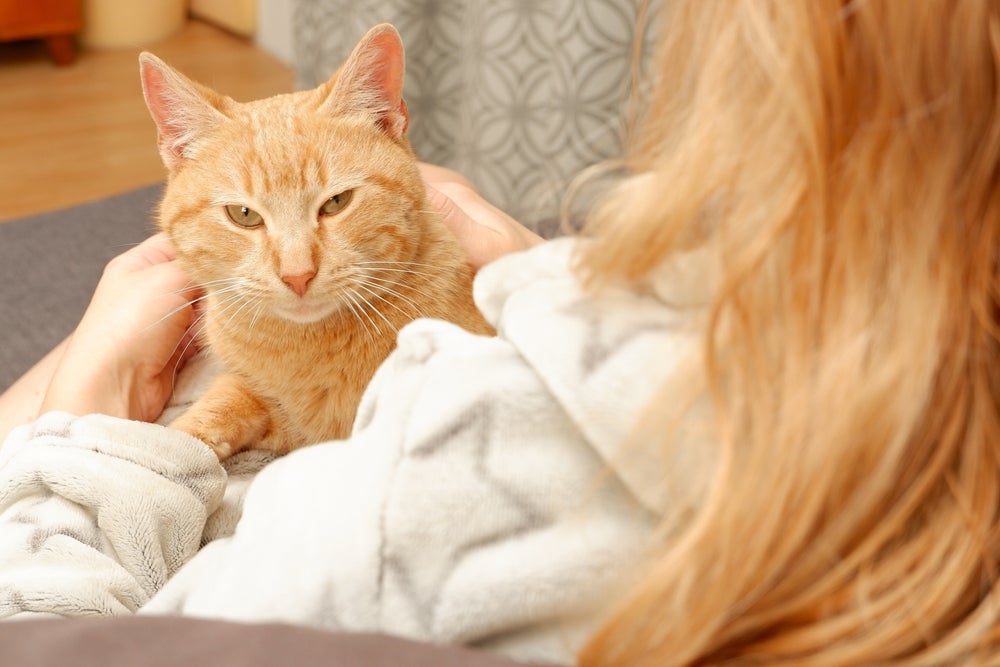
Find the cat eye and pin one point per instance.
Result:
(336, 203)
(243, 216)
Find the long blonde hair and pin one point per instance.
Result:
(842, 161)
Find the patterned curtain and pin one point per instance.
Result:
(518, 95)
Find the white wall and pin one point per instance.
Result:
(274, 28)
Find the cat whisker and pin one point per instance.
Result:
(409, 272)
(236, 292)
(391, 292)
(224, 291)
(401, 267)
(216, 286)
(382, 282)
(232, 298)
(204, 287)
(395, 263)
(244, 300)
(186, 304)
(257, 313)
(191, 341)
(386, 301)
(391, 272)
(170, 314)
(354, 298)
(368, 303)
(217, 281)
(352, 307)
(233, 303)
(231, 280)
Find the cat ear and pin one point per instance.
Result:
(182, 110)
(370, 82)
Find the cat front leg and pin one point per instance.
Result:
(228, 417)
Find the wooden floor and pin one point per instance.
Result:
(74, 134)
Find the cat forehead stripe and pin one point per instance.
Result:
(322, 192)
(233, 198)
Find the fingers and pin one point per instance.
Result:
(148, 268)
(186, 348)
(155, 250)
(168, 279)
(159, 243)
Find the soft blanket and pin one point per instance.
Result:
(485, 496)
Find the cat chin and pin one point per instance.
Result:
(306, 313)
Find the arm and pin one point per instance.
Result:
(96, 513)
(22, 401)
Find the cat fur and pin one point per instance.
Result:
(298, 338)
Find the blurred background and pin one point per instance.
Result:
(73, 125)
(519, 95)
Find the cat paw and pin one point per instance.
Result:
(219, 443)
(223, 449)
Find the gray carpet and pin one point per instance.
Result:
(49, 265)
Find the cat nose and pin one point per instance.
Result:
(300, 282)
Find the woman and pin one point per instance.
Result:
(840, 161)
(786, 395)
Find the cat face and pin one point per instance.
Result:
(294, 215)
(299, 205)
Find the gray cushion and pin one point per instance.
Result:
(171, 641)
(49, 265)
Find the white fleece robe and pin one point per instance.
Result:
(483, 498)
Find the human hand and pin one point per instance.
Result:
(122, 358)
(484, 231)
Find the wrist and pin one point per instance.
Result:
(90, 380)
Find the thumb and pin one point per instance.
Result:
(457, 220)
(467, 231)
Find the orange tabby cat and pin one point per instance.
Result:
(304, 218)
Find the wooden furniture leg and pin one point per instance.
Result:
(62, 48)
